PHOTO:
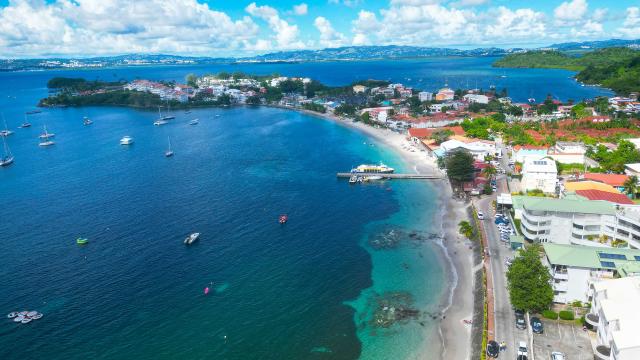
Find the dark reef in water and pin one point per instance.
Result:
(390, 237)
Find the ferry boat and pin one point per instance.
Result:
(191, 238)
(365, 168)
(126, 140)
(7, 158)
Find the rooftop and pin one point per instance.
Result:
(609, 179)
(591, 257)
(605, 195)
(589, 185)
(566, 205)
(619, 302)
(543, 165)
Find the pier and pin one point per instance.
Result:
(393, 176)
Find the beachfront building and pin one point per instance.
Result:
(574, 268)
(615, 318)
(476, 99)
(540, 174)
(579, 221)
(445, 94)
(425, 96)
(478, 148)
(378, 114)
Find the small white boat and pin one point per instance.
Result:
(46, 134)
(31, 313)
(18, 318)
(37, 316)
(5, 133)
(374, 177)
(12, 314)
(7, 158)
(126, 140)
(86, 121)
(169, 152)
(194, 122)
(46, 143)
(23, 313)
(26, 320)
(191, 238)
(160, 122)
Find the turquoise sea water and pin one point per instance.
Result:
(306, 290)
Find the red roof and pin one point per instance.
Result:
(420, 132)
(606, 196)
(609, 179)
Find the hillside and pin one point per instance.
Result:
(615, 68)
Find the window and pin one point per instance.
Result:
(637, 258)
(608, 264)
(612, 256)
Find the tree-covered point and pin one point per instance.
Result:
(314, 107)
(80, 84)
(614, 68)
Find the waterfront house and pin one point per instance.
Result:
(539, 174)
(575, 269)
(615, 318)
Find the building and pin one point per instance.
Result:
(615, 180)
(359, 89)
(615, 198)
(566, 152)
(615, 318)
(436, 107)
(579, 221)
(445, 94)
(478, 148)
(425, 96)
(573, 268)
(476, 99)
(540, 174)
(573, 186)
(378, 114)
(521, 153)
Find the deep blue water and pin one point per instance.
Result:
(299, 291)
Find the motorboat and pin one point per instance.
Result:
(373, 177)
(46, 143)
(31, 313)
(37, 316)
(25, 125)
(353, 179)
(126, 140)
(283, 219)
(26, 320)
(82, 241)
(160, 122)
(194, 122)
(86, 121)
(191, 238)
(169, 152)
(18, 318)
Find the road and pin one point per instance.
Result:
(505, 329)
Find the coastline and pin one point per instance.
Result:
(454, 336)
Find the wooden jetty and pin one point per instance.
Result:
(393, 176)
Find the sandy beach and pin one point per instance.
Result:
(457, 304)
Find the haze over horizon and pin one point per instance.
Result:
(215, 28)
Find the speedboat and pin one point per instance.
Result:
(82, 241)
(191, 238)
(283, 219)
(31, 313)
(126, 140)
(26, 320)
(18, 318)
(25, 125)
(353, 179)
(5, 132)
(37, 316)
(160, 122)
(194, 122)
(87, 121)
(12, 314)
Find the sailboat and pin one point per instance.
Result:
(46, 138)
(7, 157)
(169, 152)
(168, 117)
(6, 131)
(25, 124)
(161, 120)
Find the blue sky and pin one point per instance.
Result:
(35, 28)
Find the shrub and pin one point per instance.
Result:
(550, 314)
(576, 303)
(566, 315)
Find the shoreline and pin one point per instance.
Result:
(457, 297)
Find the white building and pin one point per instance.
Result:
(566, 152)
(540, 174)
(575, 268)
(632, 169)
(425, 96)
(578, 221)
(479, 148)
(615, 317)
(476, 99)
(436, 107)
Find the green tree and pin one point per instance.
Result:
(191, 79)
(631, 186)
(441, 136)
(489, 172)
(465, 229)
(459, 167)
(529, 281)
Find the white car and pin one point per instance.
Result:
(522, 349)
(556, 355)
(480, 215)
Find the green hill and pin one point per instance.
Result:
(614, 68)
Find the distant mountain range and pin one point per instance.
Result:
(331, 54)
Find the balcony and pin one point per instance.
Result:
(562, 286)
(602, 352)
(592, 319)
(560, 276)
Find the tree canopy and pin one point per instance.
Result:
(529, 281)
(460, 166)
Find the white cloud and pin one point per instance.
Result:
(631, 26)
(516, 24)
(589, 29)
(465, 3)
(301, 9)
(328, 36)
(571, 11)
(600, 14)
(349, 3)
(286, 35)
(84, 27)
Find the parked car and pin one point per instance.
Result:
(557, 355)
(522, 349)
(493, 349)
(480, 215)
(508, 261)
(536, 325)
(520, 322)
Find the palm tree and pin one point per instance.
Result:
(464, 228)
(631, 186)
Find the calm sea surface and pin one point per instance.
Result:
(305, 290)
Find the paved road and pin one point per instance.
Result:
(505, 329)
